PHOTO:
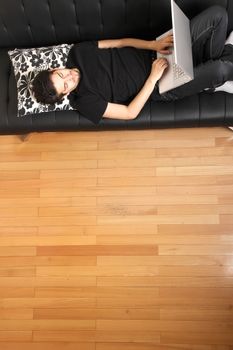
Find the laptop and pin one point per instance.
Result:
(180, 68)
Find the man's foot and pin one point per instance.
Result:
(226, 87)
(229, 39)
(227, 55)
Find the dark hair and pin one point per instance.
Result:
(44, 90)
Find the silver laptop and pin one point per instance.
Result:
(180, 69)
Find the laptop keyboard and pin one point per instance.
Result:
(178, 72)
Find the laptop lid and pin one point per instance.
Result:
(182, 39)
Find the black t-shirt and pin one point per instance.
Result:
(107, 75)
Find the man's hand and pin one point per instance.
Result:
(157, 69)
(163, 45)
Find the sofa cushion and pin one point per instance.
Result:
(27, 63)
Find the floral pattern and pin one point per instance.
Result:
(27, 63)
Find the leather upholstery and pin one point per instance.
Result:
(35, 23)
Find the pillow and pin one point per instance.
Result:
(27, 63)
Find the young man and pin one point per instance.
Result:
(115, 78)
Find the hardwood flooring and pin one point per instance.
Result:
(117, 240)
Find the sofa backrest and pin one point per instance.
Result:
(33, 23)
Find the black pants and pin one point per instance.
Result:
(213, 62)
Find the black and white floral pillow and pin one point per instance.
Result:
(27, 63)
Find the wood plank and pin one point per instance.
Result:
(46, 346)
(99, 271)
(15, 336)
(154, 346)
(165, 281)
(197, 338)
(53, 302)
(158, 200)
(157, 219)
(17, 251)
(174, 260)
(94, 292)
(197, 315)
(164, 326)
(43, 241)
(168, 303)
(196, 249)
(56, 325)
(16, 314)
(64, 336)
(95, 250)
(93, 314)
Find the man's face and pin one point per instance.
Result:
(64, 80)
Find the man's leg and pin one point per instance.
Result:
(208, 32)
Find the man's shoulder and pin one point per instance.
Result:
(85, 45)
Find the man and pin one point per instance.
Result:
(115, 78)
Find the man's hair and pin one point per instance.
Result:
(44, 90)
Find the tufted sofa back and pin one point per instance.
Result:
(31, 23)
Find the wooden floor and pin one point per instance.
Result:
(117, 240)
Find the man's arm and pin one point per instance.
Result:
(130, 42)
(161, 45)
(118, 111)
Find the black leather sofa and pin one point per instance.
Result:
(35, 23)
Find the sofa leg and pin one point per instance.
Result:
(24, 137)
